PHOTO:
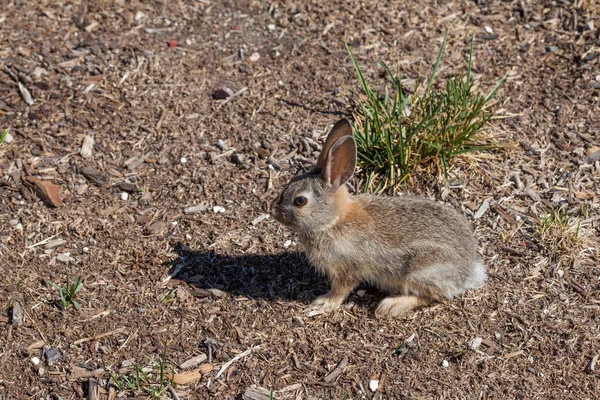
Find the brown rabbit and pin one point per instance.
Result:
(417, 250)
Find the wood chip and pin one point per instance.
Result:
(186, 377)
(87, 146)
(482, 209)
(36, 345)
(80, 373)
(584, 195)
(25, 93)
(513, 354)
(17, 315)
(135, 162)
(257, 393)
(337, 371)
(47, 191)
(192, 362)
(93, 390)
(96, 177)
(55, 243)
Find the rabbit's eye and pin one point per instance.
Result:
(300, 201)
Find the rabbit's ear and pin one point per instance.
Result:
(340, 162)
(340, 129)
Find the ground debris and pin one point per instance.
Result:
(17, 315)
(337, 371)
(96, 177)
(192, 362)
(46, 191)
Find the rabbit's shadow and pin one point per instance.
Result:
(276, 276)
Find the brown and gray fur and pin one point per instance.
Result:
(417, 250)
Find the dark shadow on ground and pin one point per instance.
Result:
(278, 276)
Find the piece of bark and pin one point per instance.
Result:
(96, 177)
(47, 191)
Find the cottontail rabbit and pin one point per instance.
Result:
(417, 250)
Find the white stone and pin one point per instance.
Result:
(183, 160)
(374, 385)
(35, 361)
(218, 209)
(475, 343)
(124, 196)
(8, 139)
(287, 243)
(445, 364)
(254, 57)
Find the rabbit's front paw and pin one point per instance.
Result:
(324, 304)
(396, 306)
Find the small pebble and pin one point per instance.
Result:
(218, 209)
(488, 29)
(475, 343)
(550, 49)
(497, 335)
(13, 222)
(563, 297)
(183, 160)
(222, 145)
(86, 249)
(254, 57)
(35, 361)
(271, 27)
(287, 243)
(8, 139)
(374, 385)
(445, 364)
(238, 159)
(51, 355)
(145, 199)
(142, 310)
(124, 196)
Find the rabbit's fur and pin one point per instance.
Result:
(417, 250)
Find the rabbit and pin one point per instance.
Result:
(418, 251)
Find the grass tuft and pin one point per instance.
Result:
(151, 381)
(3, 135)
(559, 231)
(397, 133)
(68, 292)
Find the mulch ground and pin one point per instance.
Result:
(221, 279)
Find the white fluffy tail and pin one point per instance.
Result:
(477, 277)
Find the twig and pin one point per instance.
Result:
(234, 359)
(41, 242)
(337, 371)
(242, 90)
(173, 393)
(99, 336)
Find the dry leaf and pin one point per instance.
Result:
(47, 191)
